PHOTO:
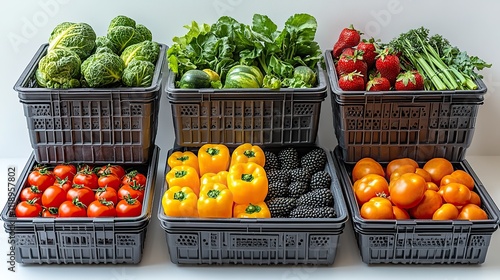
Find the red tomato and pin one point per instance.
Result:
(86, 178)
(64, 184)
(134, 175)
(42, 178)
(109, 180)
(101, 208)
(73, 208)
(30, 193)
(51, 212)
(116, 170)
(134, 190)
(53, 196)
(64, 171)
(84, 194)
(128, 207)
(28, 208)
(107, 193)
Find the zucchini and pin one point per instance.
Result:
(244, 76)
(195, 79)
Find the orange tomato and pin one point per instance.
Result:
(472, 212)
(459, 176)
(423, 173)
(456, 194)
(447, 211)
(408, 190)
(438, 168)
(400, 214)
(429, 204)
(474, 198)
(369, 186)
(396, 163)
(403, 169)
(366, 166)
(432, 186)
(377, 208)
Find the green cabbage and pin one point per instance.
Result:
(146, 50)
(138, 73)
(103, 41)
(123, 32)
(102, 69)
(59, 68)
(121, 21)
(78, 37)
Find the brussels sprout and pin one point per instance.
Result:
(102, 69)
(138, 73)
(145, 32)
(124, 36)
(78, 37)
(59, 68)
(121, 21)
(146, 50)
(103, 41)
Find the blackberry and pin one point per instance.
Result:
(320, 180)
(315, 160)
(297, 189)
(272, 161)
(289, 158)
(278, 176)
(316, 198)
(277, 189)
(280, 207)
(313, 212)
(300, 175)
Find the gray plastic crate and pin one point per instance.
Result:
(95, 125)
(273, 241)
(81, 240)
(235, 116)
(390, 124)
(420, 241)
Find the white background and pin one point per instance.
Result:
(471, 25)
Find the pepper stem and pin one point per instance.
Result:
(183, 158)
(180, 195)
(213, 151)
(252, 209)
(180, 174)
(213, 193)
(249, 153)
(247, 177)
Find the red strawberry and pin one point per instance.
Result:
(409, 80)
(347, 51)
(369, 49)
(387, 64)
(353, 81)
(348, 64)
(348, 38)
(378, 84)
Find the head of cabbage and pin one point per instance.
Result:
(59, 68)
(102, 69)
(145, 50)
(123, 32)
(77, 37)
(138, 73)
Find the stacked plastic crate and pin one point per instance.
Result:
(271, 119)
(420, 125)
(95, 126)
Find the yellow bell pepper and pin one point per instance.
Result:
(247, 153)
(183, 158)
(184, 176)
(215, 201)
(180, 202)
(258, 210)
(213, 158)
(220, 178)
(248, 183)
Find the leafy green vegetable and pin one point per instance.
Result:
(144, 31)
(123, 32)
(102, 69)
(145, 50)
(228, 43)
(78, 37)
(103, 41)
(138, 73)
(121, 20)
(445, 66)
(59, 68)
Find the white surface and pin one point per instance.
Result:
(27, 24)
(31, 22)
